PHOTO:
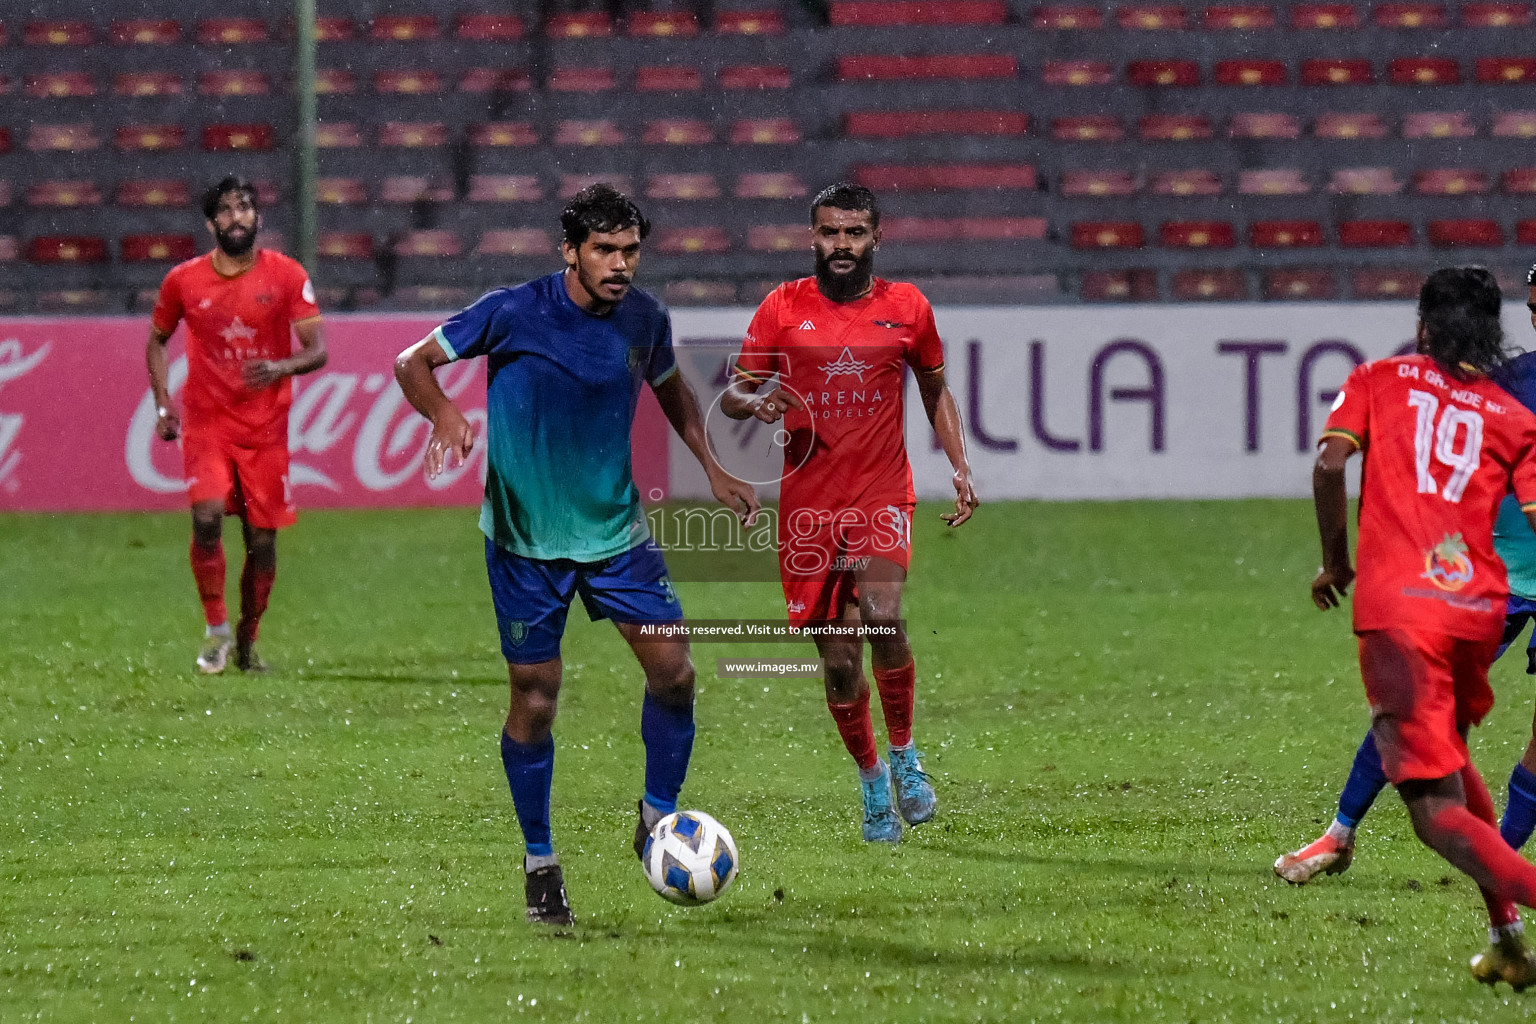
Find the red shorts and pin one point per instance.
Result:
(1424, 689)
(820, 553)
(253, 482)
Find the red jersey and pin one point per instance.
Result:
(844, 360)
(230, 320)
(1440, 454)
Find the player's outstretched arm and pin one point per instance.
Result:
(1332, 506)
(263, 373)
(451, 432)
(167, 423)
(681, 406)
(944, 415)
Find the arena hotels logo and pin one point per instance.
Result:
(1446, 565)
(846, 366)
(14, 364)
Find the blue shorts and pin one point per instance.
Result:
(1517, 613)
(532, 595)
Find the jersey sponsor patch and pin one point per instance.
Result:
(1446, 565)
(845, 365)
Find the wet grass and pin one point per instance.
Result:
(1129, 710)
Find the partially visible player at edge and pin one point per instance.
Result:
(567, 355)
(1442, 445)
(837, 344)
(242, 306)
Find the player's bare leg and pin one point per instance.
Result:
(880, 585)
(666, 724)
(848, 699)
(256, 578)
(207, 557)
(528, 755)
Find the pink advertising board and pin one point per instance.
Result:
(77, 421)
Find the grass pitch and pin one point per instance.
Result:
(1129, 711)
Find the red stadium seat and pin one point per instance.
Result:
(6, 141)
(1272, 181)
(677, 131)
(1238, 17)
(957, 66)
(149, 138)
(233, 83)
(1364, 181)
(778, 237)
(333, 29)
(1196, 234)
(335, 82)
(63, 194)
(431, 296)
(147, 83)
(60, 85)
(499, 134)
(1495, 15)
(1087, 128)
(1337, 71)
(489, 28)
(514, 242)
(1514, 124)
(406, 28)
(690, 292)
(588, 133)
(900, 178)
(901, 124)
(1285, 234)
(682, 186)
(1505, 70)
(62, 138)
(588, 79)
(1067, 17)
(1385, 283)
(1375, 234)
(413, 134)
(1423, 71)
(344, 245)
(1218, 285)
(407, 83)
(58, 33)
(158, 248)
(769, 185)
(665, 24)
(1151, 17)
(1451, 124)
(1451, 181)
(1350, 126)
(1325, 16)
(1163, 73)
(341, 192)
(1077, 72)
(1250, 72)
(1469, 233)
(496, 80)
(1195, 182)
(1279, 285)
(415, 188)
(930, 230)
(1519, 181)
(767, 22)
(436, 242)
(10, 249)
(67, 249)
(338, 135)
(504, 188)
(765, 131)
(1105, 234)
(680, 241)
(233, 137)
(1174, 128)
(570, 184)
(145, 32)
(1264, 126)
(75, 301)
(594, 25)
(754, 76)
(1119, 286)
(1410, 15)
(230, 31)
(1096, 183)
(1525, 232)
(668, 78)
(879, 13)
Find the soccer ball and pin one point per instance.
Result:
(690, 858)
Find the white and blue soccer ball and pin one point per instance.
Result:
(690, 858)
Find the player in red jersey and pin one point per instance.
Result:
(1442, 446)
(838, 345)
(242, 306)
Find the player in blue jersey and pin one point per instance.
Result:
(567, 356)
(1515, 543)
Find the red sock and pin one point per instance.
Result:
(1501, 911)
(208, 572)
(1514, 876)
(255, 587)
(896, 686)
(857, 730)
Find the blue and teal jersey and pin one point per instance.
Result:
(562, 389)
(1512, 536)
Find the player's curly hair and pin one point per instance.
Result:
(601, 208)
(846, 195)
(217, 191)
(1459, 311)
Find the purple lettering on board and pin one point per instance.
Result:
(1252, 352)
(1037, 404)
(1304, 396)
(973, 405)
(1152, 393)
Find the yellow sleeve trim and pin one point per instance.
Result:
(1529, 506)
(749, 374)
(1345, 434)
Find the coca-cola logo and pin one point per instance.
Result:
(15, 362)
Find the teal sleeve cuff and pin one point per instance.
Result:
(437, 334)
(664, 377)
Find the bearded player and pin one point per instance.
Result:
(837, 345)
(242, 306)
(1442, 445)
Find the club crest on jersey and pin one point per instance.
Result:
(888, 324)
(1446, 565)
(846, 366)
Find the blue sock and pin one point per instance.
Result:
(530, 770)
(1520, 813)
(667, 730)
(1366, 779)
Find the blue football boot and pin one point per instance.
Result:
(914, 794)
(881, 823)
